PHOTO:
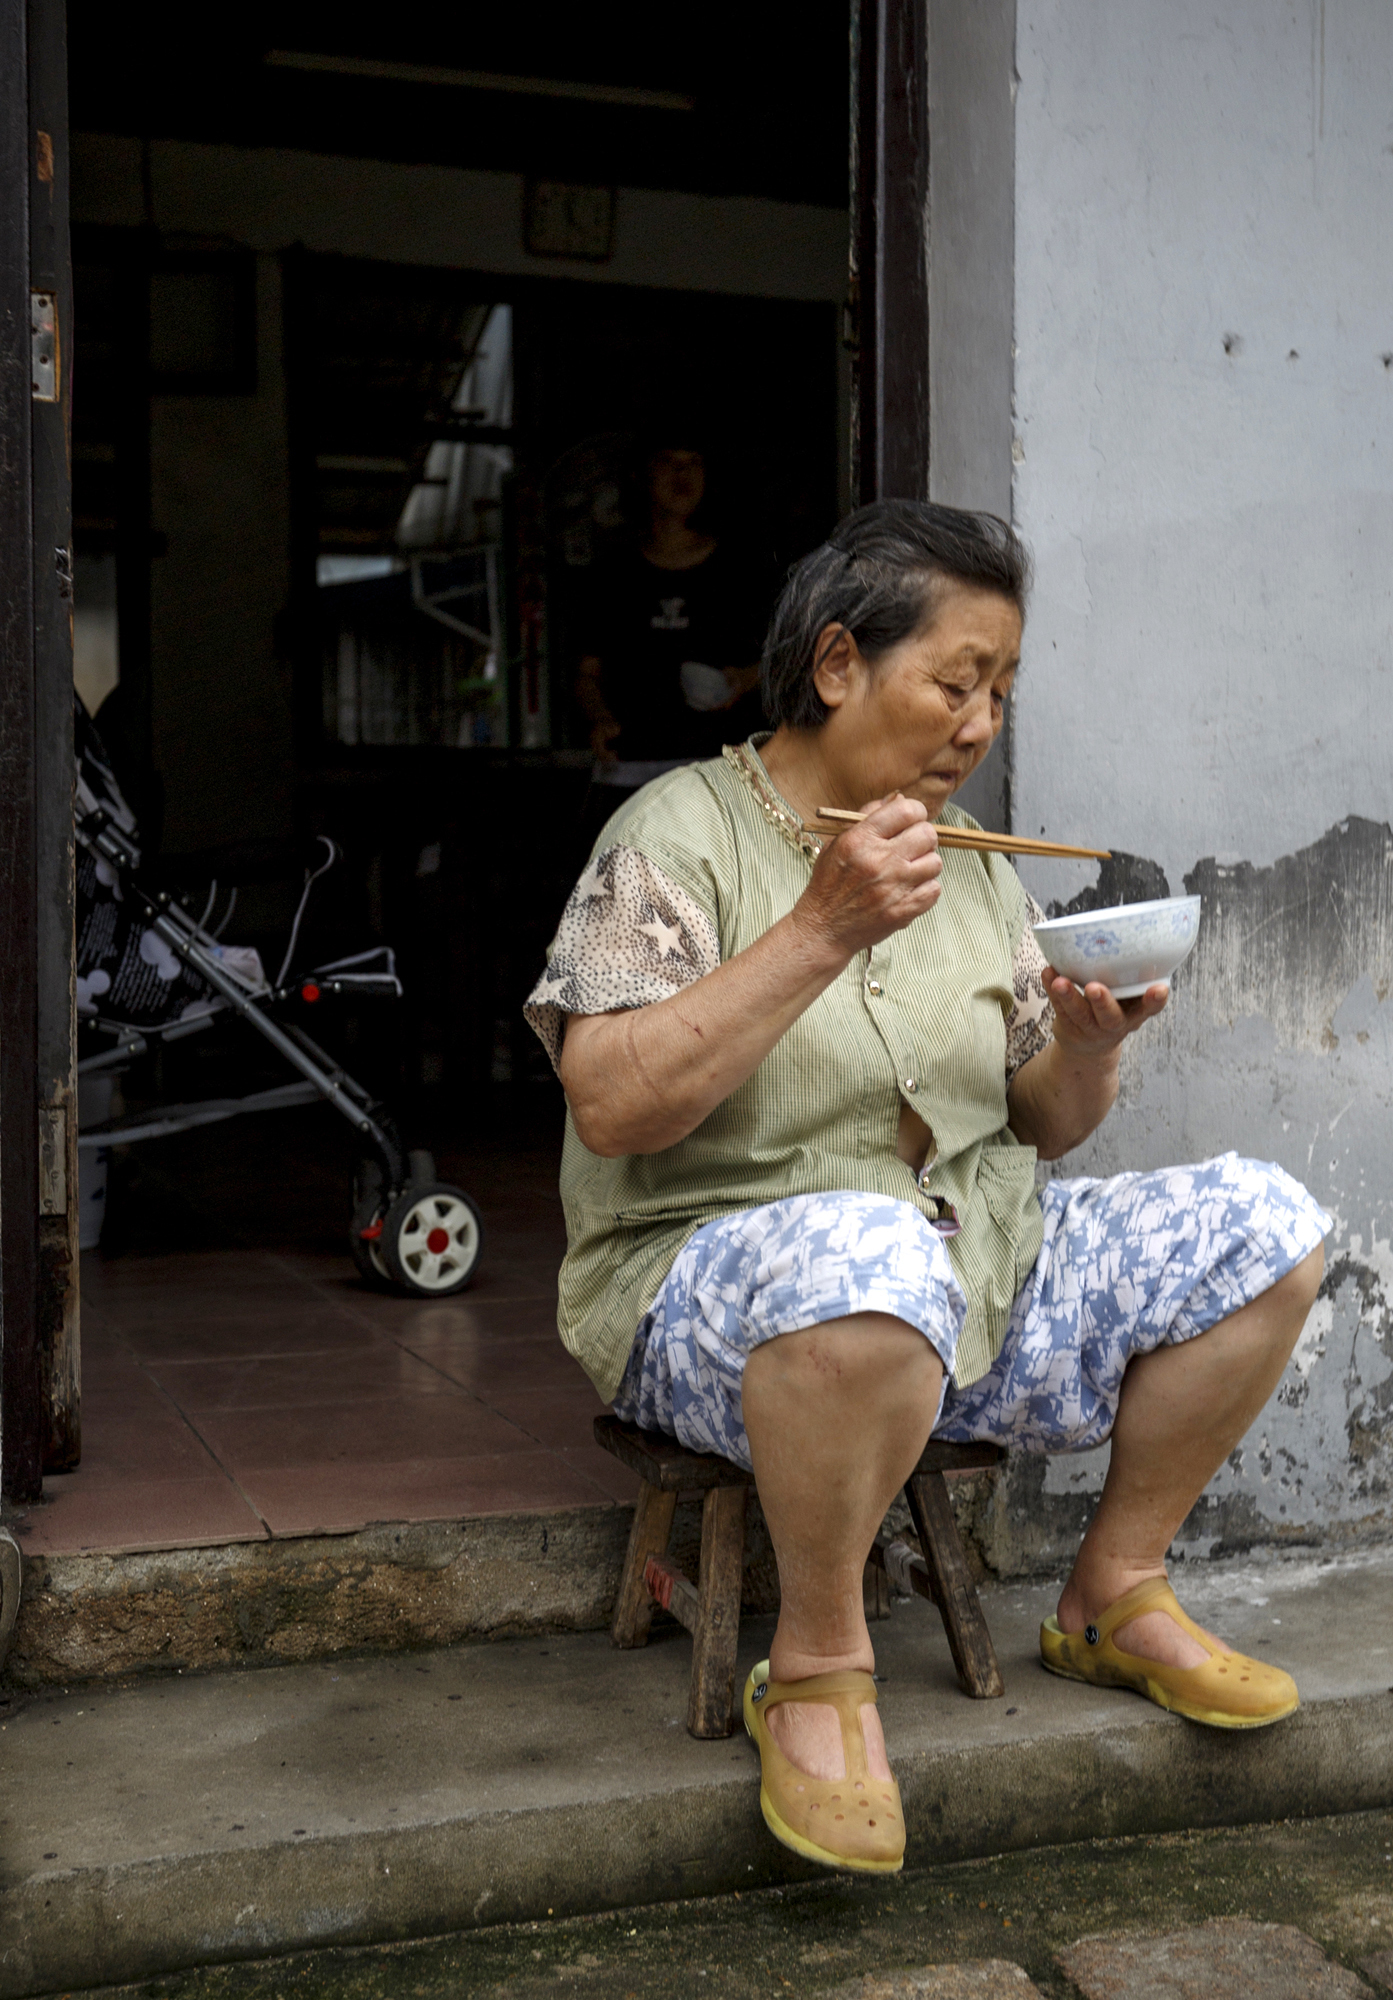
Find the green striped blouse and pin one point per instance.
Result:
(919, 1020)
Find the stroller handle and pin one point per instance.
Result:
(97, 829)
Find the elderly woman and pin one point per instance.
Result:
(808, 1080)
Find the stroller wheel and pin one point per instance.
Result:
(367, 1227)
(431, 1240)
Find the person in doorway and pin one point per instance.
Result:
(807, 1082)
(670, 636)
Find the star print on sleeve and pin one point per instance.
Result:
(595, 881)
(628, 936)
(667, 937)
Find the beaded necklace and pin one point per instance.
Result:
(780, 815)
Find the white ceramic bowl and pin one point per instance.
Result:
(1127, 949)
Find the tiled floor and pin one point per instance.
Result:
(230, 1394)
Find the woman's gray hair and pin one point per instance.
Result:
(876, 577)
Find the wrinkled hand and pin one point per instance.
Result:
(873, 879)
(1093, 1023)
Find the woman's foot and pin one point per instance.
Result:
(1205, 1681)
(809, 1733)
(810, 1736)
(1151, 1636)
(854, 1819)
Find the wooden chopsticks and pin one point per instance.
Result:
(983, 842)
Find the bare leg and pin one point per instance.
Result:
(837, 1416)
(1182, 1411)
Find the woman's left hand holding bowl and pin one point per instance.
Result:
(1092, 1023)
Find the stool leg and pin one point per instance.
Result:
(711, 1703)
(875, 1593)
(955, 1593)
(633, 1607)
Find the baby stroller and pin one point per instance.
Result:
(149, 973)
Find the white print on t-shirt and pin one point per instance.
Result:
(673, 616)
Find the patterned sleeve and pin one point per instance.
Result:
(628, 936)
(1031, 1026)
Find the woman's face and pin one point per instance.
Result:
(676, 482)
(925, 715)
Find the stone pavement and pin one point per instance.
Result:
(1000, 1929)
(1231, 1955)
(230, 1816)
(987, 1979)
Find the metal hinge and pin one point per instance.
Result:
(43, 346)
(53, 1159)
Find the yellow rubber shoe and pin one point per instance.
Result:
(851, 1822)
(1227, 1691)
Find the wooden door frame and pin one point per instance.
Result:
(39, 1424)
(889, 250)
(933, 270)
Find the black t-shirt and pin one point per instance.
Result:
(644, 623)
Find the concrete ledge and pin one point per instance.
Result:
(241, 1814)
(395, 1585)
(136, 1919)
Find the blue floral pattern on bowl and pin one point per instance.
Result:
(1128, 949)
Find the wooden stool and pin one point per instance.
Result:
(710, 1608)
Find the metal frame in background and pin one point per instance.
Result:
(98, 834)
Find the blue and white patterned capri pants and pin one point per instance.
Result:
(1127, 1265)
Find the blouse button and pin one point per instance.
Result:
(873, 986)
(910, 1085)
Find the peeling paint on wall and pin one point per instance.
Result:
(1302, 941)
(1206, 435)
(1277, 1043)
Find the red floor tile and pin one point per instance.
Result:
(362, 1374)
(193, 1314)
(481, 1319)
(406, 1319)
(605, 1474)
(239, 1271)
(137, 1514)
(131, 1432)
(129, 1449)
(107, 1365)
(356, 1435)
(525, 1276)
(561, 1419)
(487, 1367)
(309, 1500)
(318, 1266)
(329, 1404)
(315, 1330)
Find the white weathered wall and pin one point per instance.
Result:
(1204, 410)
(1204, 446)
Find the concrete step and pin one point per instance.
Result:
(396, 1585)
(201, 1819)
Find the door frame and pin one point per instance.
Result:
(932, 308)
(39, 1339)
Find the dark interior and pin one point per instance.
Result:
(389, 482)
